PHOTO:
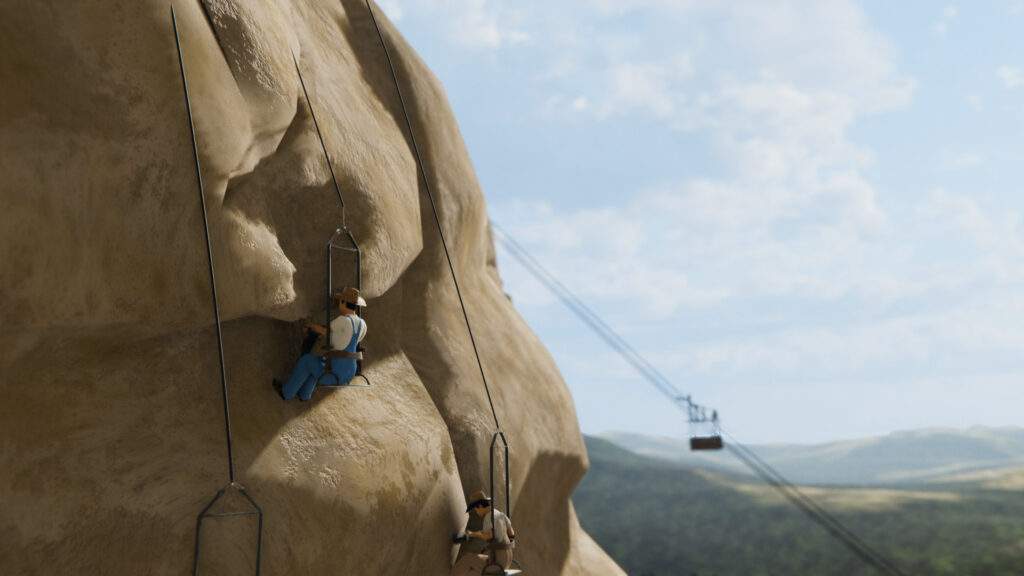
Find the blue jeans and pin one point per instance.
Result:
(308, 370)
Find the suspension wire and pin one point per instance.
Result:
(864, 555)
(433, 209)
(748, 457)
(209, 260)
(589, 317)
(319, 134)
(800, 499)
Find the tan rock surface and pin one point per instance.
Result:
(112, 430)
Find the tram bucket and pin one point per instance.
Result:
(706, 443)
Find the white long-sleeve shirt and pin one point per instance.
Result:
(504, 527)
(341, 330)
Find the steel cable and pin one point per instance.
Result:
(209, 260)
(746, 456)
(320, 136)
(256, 510)
(433, 209)
(829, 522)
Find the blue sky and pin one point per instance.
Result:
(807, 214)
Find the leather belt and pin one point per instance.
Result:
(344, 354)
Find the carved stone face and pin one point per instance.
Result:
(112, 420)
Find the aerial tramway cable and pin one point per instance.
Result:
(796, 496)
(232, 484)
(591, 319)
(748, 457)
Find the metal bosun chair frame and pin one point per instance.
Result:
(331, 247)
(493, 568)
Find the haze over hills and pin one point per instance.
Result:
(929, 455)
(662, 517)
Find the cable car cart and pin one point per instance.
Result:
(705, 431)
(329, 379)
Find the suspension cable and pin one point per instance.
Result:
(589, 317)
(433, 209)
(344, 227)
(209, 260)
(652, 375)
(800, 499)
(255, 509)
(323, 146)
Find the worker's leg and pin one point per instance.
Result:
(306, 369)
(344, 369)
(470, 565)
(317, 370)
(504, 558)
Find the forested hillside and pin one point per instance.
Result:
(657, 517)
(912, 456)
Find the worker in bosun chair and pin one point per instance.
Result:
(347, 331)
(500, 541)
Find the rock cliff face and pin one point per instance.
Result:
(111, 429)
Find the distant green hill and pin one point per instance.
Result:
(664, 518)
(901, 457)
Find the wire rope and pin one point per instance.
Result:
(809, 506)
(256, 510)
(209, 260)
(748, 457)
(320, 136)
(433, 210)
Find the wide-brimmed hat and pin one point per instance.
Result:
(351, 296)
(477, 498)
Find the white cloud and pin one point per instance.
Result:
(680, 253)
(941, 25)
(975, 102)
(392, 9)
(776, 102)
(643, 86)
(477, 24)
(964, 160)
(778, 252)
(857, 347)
(1011, 76)
(991, 233)
(485, 24)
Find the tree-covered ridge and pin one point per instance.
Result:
(657, 517)
(902, 457)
